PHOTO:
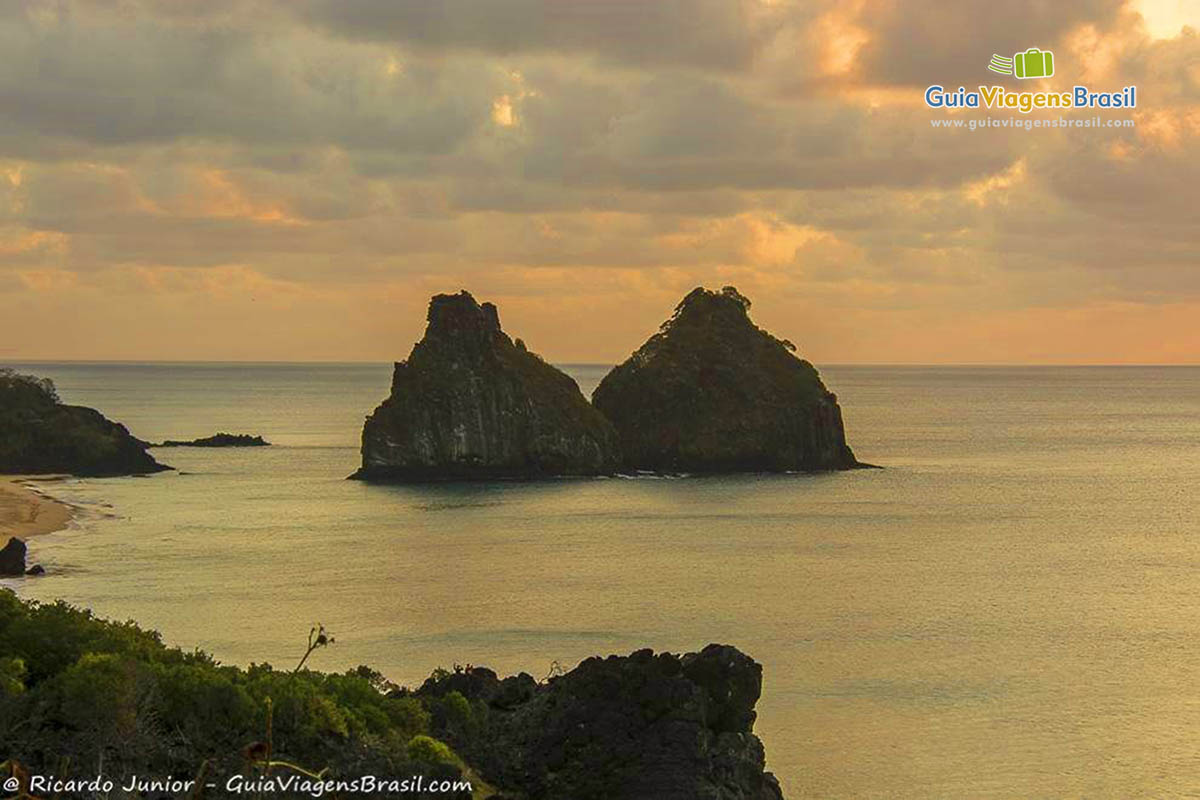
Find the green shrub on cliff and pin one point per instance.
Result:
(27, 390)
(429, 750)
(95, 692)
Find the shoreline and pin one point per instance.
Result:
(26, 513)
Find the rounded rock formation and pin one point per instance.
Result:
(712, 392)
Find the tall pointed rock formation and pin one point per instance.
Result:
(470, 404)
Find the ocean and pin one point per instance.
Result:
(1011, 608)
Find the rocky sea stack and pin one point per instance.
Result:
(659, 726)
(40, 435)
(712, 392)
(469, 403)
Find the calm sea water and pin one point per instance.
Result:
(1010, 609)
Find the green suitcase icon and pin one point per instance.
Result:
(1034, 63)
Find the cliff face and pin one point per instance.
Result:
(469, 403)
(712, 392)
(40, 435)
(640, 726)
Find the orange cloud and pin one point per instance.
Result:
(227, 199)
(752, 239)
(48, 280)
(995, 188)
(839, 38)
(25, 241)
(217, 193)
(1168, 127)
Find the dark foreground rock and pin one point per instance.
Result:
(643, 726)
(12, 558)
(40, 435)
(220, 440)
(712, 392)
(469, 404)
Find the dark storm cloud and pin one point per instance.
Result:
(722, 34)
(140, 82)
(921, 43)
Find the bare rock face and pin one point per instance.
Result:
(469, 404)
(644, 726)
(712, 392)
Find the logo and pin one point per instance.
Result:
(1033, 63)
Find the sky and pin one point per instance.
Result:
(293, 179)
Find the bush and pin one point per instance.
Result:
(429, 750)
(91, 691)
(12, 676)
(26, 390)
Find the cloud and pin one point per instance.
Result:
(69, 86)
(919, 43)
(717, 34)
(328, 165)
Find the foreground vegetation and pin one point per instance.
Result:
(81, 696)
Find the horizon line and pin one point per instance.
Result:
(575, 363)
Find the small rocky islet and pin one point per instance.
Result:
(12, 560)
(218, 440)
(709, 393)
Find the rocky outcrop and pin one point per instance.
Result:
(40, 435)
(643, 726)
(469, 403)
(219, 440)
(712, 392)
(12, 558)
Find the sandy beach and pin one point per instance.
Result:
(25, 513)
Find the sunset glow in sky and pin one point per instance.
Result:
(292, 179)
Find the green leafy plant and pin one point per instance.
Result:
(94, 693)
